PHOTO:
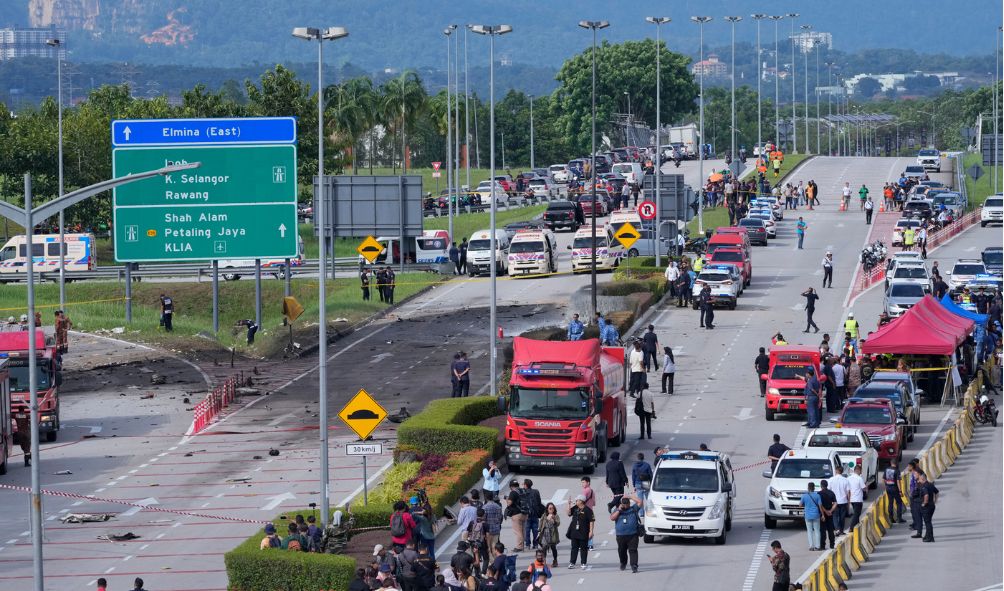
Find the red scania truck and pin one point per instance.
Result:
(14, 348)
(566, 404)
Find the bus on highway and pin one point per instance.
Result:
(78, 253)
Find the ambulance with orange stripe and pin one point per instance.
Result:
(79, 254)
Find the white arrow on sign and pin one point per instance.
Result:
(127, 132)
(282, 230)
(145, 502)
(277, 500)
(745, 414)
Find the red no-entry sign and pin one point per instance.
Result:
(646, 210)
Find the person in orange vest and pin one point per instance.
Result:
(887, 194)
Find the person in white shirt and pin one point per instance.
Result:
(846, 192)
(672, 274)
(680, 243)
(857, 494)
(840, 379)
(637, 361)
(668, 370)
(841, 488)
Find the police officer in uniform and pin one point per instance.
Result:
(916, 496)
(707, 308)
(166, 312)
(891, 478)
(928, 499)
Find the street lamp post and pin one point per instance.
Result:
(701, 20)
(777, 85)
(658, 21)
(593, 26)
(532, 163)
(997, 113)
(456, 118)
(27, 217)
(467, 116)
(805, 80)
(449, 135)
(58, 44)
(733, 20)
(759, 78)
(492, 31)
(815, 88)
(829, 108)
(321, 35)
(794, 112)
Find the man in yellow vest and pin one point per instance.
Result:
(851, 326)
(698, 264)
(908, 238)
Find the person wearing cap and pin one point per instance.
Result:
(828, 269)
(580, 530)
(271, 539)
(851, 326)
(627, 519)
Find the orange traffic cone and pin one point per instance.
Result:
(843, 206)
(882, 207)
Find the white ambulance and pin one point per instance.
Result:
(479, 252)
(533, 252)
(607, 256)
(79, 253)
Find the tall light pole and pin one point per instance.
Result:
(701, 20)
(58, 44)
(456, 118)
(794, 113)
(805, 81)
(815, 89)
(759, 78)
(997, 113)
(658, 21)
(467, 116)
(733, 20)
(321, 35)
(777, 85)
(449, 134)
(829, 109)
(492, 31)
(532, 164)
(593, 26)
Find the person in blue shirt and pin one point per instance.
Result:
(813, 401)
(641, 477)
(800, 231)
(575, 328)
(812, 503)
(626, 519)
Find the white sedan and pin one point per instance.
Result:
(853, 446)
(768, 220)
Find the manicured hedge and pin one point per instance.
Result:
(450, 425)
(250, 568)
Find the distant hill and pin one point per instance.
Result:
(399, 34)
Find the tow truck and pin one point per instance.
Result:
(566, 404)
(14, 348)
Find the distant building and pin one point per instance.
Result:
(810, 40)
(895, 81)
(710, 67)
(15, 43)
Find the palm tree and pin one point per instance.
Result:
(403, 99)
(350, 112)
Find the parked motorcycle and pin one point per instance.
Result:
(985, 411)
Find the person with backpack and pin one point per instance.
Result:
(641, 477)
(402, 524)
(533, 508)
(540, 583)
(293, 541)
(514, 511)
(271, 539)
(549, 536)
(423, 530)
(405, 566)
(580, 530)
(462, 559)
(539, 565)
(425, 570)
(504, 567)
(477, 532)
(627, 522)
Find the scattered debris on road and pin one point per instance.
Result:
(86, 517)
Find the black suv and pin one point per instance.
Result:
(563, 214)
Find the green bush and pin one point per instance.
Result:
(450, 425)
(389, 490)
(250, 568)
(373, 514)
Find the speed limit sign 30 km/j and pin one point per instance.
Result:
(646, 210)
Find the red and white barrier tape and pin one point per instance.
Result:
(69, 495)
(747, 467)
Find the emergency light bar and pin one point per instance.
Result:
(689, 455)
(537, 369)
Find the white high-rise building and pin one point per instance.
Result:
(15, 43)
(809, 40)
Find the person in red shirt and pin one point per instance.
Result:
(402, 524)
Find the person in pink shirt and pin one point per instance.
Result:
(402, 524)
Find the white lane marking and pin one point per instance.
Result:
(937, 432)
(380, 357)
(219, 496)
(133, 471)
(99, 490)
(558, 497)
(581, 580)
(159, 536)
(143, 466)
(123, 477)
(278, 420)
(758, 553)
(204, 505)
(144, 546)
(26, 532)
(127, 558)
(277, 500)
(745, 414)
(12, 541)
(160, 455)
(145, 503)
(51, 518)
(77, 504)
(177, 524)
(109, 570)
(172, 448)
(971, 249)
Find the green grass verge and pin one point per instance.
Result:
(467, 224)
(429, 184)
(101, 305)
(979, 190)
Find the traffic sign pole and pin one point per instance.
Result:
(216, 296)
(366, 492)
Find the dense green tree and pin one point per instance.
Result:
(868, 87)
(403, 101)
(620, 68)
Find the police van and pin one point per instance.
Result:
(533, 252)
(692, 495)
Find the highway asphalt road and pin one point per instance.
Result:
(717, 402)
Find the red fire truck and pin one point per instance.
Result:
(14, 348)
(566, 405)
(6, 428)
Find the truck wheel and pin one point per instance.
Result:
(231, 276)
(50, 436)
(515, 469)
(601, 447)
(3, 466)
(768, 414)
(728, 519)
(769, 522)
(589, 469)
(648, 539)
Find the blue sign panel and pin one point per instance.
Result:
(195, 132)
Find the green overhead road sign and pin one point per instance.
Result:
(239, 204)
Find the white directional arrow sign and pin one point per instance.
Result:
(745, 414)
(127, 132)
(145, 502)
(277, 500)
(282, 230)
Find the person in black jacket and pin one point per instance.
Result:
(616, 479)
(761, 365)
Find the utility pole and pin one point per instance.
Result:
(794, 112)
(759, 79)
(805, 81)
(701, 20)
(658, 21)
(777, 85)
(734, 20)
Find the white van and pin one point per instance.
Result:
(607, 257)
(692, 496)
(631, 171)
(78, 253)
(232, 269)
(479, 253)
(533, 252)
(431, 248)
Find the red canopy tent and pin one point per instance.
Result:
(925, 329)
